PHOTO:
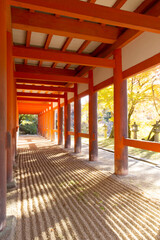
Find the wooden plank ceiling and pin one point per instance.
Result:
(56, 43)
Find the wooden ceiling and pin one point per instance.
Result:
(56, 43)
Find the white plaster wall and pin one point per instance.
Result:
(70, 95)
(82, 88)
(140, 49)
(101, 74)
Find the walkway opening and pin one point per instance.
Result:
(28, 124)
(106, 118)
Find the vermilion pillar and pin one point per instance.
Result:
(44, 124)
(93, 144)
(48, 123)
(3, 112)
(66, 127)
(120, 117)
(60, 120)
(51, 123)
(10, 102)
(68, 143)
(77, 121)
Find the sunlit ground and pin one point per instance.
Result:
(109, 144)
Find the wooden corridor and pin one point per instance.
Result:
(61, 197)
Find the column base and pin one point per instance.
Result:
(9, 230)
(15, 165)
(11, 184)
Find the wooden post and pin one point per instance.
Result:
(10, 89)
(60, 113)
(51, 122)
(3, 112)
(77, 121)
(66, 122)
(93, 144)
(120, 117)
(68, 144)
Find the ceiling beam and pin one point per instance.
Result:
(49, 77)
(119, 3)
(58, 56)
(127, 36)
(39, 82)
(26, 99)
(39, 95)
(44, 70)
(94, 13)
(49, 24)
(43, 88)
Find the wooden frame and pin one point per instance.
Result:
(93, 13)
(63, 57)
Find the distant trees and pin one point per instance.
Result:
(143, 100)
(28, 124)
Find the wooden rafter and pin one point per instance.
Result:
(94, 13)
(126, 37)
(80, 50)
(39, 22)
(36, 99)
(64, 57)
(40, 95)
(64, 47)
(49, 77)
(48, 40)
(42, 70)
(37, 82)
(44, 88)
(119, 3)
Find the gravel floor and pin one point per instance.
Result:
(61, 197)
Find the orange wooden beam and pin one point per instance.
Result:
(143, 66)
(44, 70)
(150, 146)
(50, 77)
(44, 88)
(120, 117)
(36, 99)
(119, 3)
(60, 120)
(51, 83)
(40, 95)
(3, 112)
(49, 24)
(77, 121)
(93, 137)
(83, 135)
(58, 56)
(127, 36)
(93, 13)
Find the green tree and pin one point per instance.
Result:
(143, 89)
(28, 123)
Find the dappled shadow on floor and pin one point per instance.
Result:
(61, 197)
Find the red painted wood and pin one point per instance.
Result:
(65, 120)
(10, 108)
(150, 146)
(120, 117)
(3, 112)
(93, 143)
(58, 56)
(94, 12)
(50, 24)
(60, 140)
(77, 121)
